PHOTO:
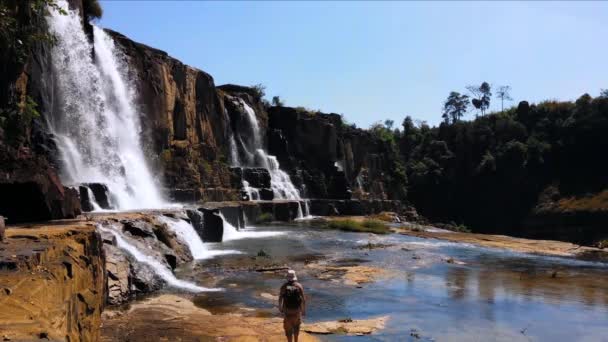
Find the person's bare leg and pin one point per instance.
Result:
(295, 336)
(289, 338)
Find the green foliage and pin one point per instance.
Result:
(481, 96)
(454, 107)
(264, 218)
(366, 226)
(20, 28)
(259, 90)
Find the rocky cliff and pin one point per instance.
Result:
(52, 283)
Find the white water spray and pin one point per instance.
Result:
(158, 267)
(231, 233)
(95, 120)
(188, 234)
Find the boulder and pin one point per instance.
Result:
(234, 215)
(167, 236)
(196, 220)
(144, 279)
(138, 228)
(213, 225)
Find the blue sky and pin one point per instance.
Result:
(371, 61)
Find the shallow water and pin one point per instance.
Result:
(481, 294)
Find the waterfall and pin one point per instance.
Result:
(256, 156)
(188, 234)
(95, 119)
(160, 269)
(231, 233)
(94, 204)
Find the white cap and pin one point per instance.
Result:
(291, 275)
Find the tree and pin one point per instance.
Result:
(503, 93)
(389, 124)
(604, 93)
(277, 102)
(259, 90)
(481, 96)
(455, 106)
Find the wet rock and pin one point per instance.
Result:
(144, 279)
(138, 228)
(180, 248)
(213, 226)
(347, 326)
(100, 192)
(197, 220)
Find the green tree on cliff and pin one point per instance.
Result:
(504, 94)
(481, 96)
(455, 107)
(277, 102)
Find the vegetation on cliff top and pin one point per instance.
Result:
(365, 226)
(490, 172)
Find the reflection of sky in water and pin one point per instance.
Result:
(493, 296)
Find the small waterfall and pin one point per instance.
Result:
(231, 233)
(95, 119)
(158, 267)
(256, 156)
(253, 193)
(304, 214)
(94, 204)
(188, 234)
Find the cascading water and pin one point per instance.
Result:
(188, 234)
(160, 269)
(95, 119)
(231, 233)
(94, 204)
(256, 156)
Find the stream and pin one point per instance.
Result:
(432, 290)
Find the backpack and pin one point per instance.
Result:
(292, 297)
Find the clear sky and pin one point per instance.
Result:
(371, 61)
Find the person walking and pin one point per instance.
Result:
(292, 305)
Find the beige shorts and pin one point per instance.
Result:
(291, 323)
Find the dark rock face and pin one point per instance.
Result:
(257, 177)
(323, 207)
(41, 197)
(279, 210)
(85, 200)
(330, 160)
(213, 226)
(185, 124)
(101, 193)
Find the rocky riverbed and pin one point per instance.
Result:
(360, 286)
